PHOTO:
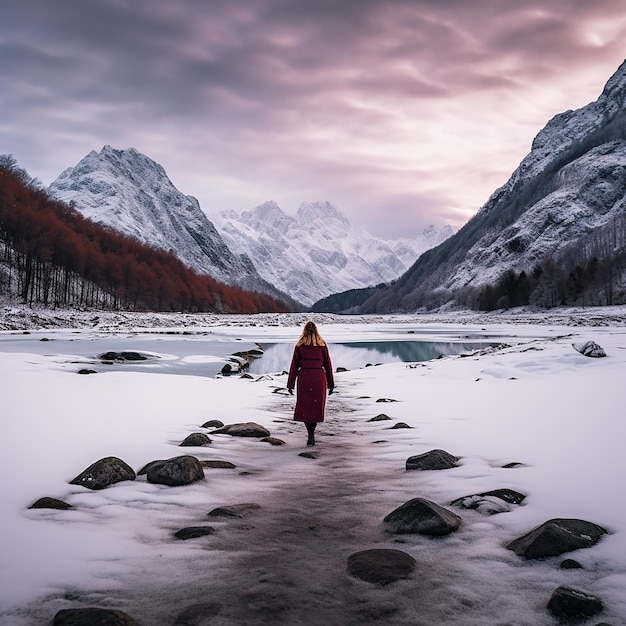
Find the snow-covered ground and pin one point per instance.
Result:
(535, 401)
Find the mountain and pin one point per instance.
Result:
(317, 252)
(548, 235)
(130, 193)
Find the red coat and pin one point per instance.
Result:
(313, 370)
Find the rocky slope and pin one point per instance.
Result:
(571, 185)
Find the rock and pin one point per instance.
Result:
(198, 614)
(273, 441)
(213, 424)
(218, 464)
(309, 454)
(380, 566)
(491, 502)
(433, 460)
(122, 356)
(87, 371)
(571, 564)
(399, 425)
(420, 516)
(569, 604)
(381, 417)
(513, 465)
(196, 439)
(50, 503)
(340, 369)
(179, 470)
(589, 348)
(193, 532)
(93, 617)
(103, 473)
(247, 376)
(227, 370)
(386, 400)
(235, 510)
(555, 537)
(247, 429)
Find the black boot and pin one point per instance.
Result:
(311, 430)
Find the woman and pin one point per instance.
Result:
(313, 370)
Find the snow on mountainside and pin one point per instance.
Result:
(318, 252)
(572, 185)
(131, 193)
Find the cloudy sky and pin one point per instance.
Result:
(402, 113)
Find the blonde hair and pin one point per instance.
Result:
(310, 336)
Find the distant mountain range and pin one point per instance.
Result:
(311, 255)
(555, 233)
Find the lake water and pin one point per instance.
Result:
(205, 353)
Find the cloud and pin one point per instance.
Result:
(416, 105)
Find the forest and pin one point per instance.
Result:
(51, 255)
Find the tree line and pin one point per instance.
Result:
(54, 256)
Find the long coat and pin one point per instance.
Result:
(313, 370)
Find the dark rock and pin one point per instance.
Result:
(227, 370)
(555, 537)
(399, 425)
(513, 465)
(420, 516)
(341, 369)
(380, 566)
(571, 564)
(103, 473)
(198, 614)
(381, 417)
(433, 460)
(147, 466)
(235, 510)
(247, 376)
(247, 429)
(213, 424)
(196, 439)
(569, 604)
(589, 348)
(87, 371)
(122, 356)
(309, 454)
(50, 503)
(192, 532)
(273, 441)
(386, 400)
(179, 470)
(218, 464)
(491, 502)
(93, 617)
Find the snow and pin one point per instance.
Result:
(536, 401)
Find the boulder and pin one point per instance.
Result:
(572, 605)
(247, 429)
(381, 417)
(87, 371)
(491, 502)
(195, 439)
(571, 564)
(433, 460)
(420, 516)
(50, 503)
(386, 400)
(179, 470)
(589, 348)
(399, 425)
(93, 617)
(122, 356)
(214, 464)
(193, 532)
(103, 473)
(555, 537)
(213, 424)
(380, 566)
(235, 510)
(274, 441)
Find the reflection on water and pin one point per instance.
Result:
(277, 356)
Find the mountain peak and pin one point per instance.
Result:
(320, 210)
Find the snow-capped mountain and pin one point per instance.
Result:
(571, 186)
(131, 193)
(317, 251)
